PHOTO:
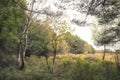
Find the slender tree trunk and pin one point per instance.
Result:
(47, 60)
(18, 59)
(117, 61)
(54, 57)
(24, 51)
(23, 61)
(48, 65)
(19, 53)
(104, 53)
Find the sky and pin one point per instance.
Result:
(85, 33)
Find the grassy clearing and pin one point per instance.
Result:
(67, 67)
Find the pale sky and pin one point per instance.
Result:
(85, 33)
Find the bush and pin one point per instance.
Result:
(83, 70)
(7, 60)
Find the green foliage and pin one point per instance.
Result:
(83, 70)
(77, 45)
(100, 38)
(11, 19)
(106, 10)
(34, 71)
(7, 60)
(108, 16)
(117, 51)
(88, 48)
(39, 37)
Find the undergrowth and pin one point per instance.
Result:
(67, 67)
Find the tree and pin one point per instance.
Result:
(101, 38)
(30, 16)
(87, 48)
(62, 49)
(104, 9)
(110, 15)
(76, 44)
(39, 39)
(59, 30)
(11, 19)
(113, 37)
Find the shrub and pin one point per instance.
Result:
(84, 70)
(7, 60)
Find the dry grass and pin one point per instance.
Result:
(108, 57)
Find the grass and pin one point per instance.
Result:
(67, 67)
(108, 57)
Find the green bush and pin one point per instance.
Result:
(84, 70)
(7, 60)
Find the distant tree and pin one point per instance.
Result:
(59, 30)
(69, 38)
(77, 45)
(63, 47)
(88, 48)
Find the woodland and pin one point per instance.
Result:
(39, 44)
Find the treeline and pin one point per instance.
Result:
(42, 38)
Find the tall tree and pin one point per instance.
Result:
(11, 19)
(39, 39)
(30, 16)
(101, 38)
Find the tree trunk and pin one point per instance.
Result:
(47, 60)
(24, 50)
(22, 61)
(54, 57)
(18, 59)
(19, 53)
(104, 53)
(117, 61)
(48, 65)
